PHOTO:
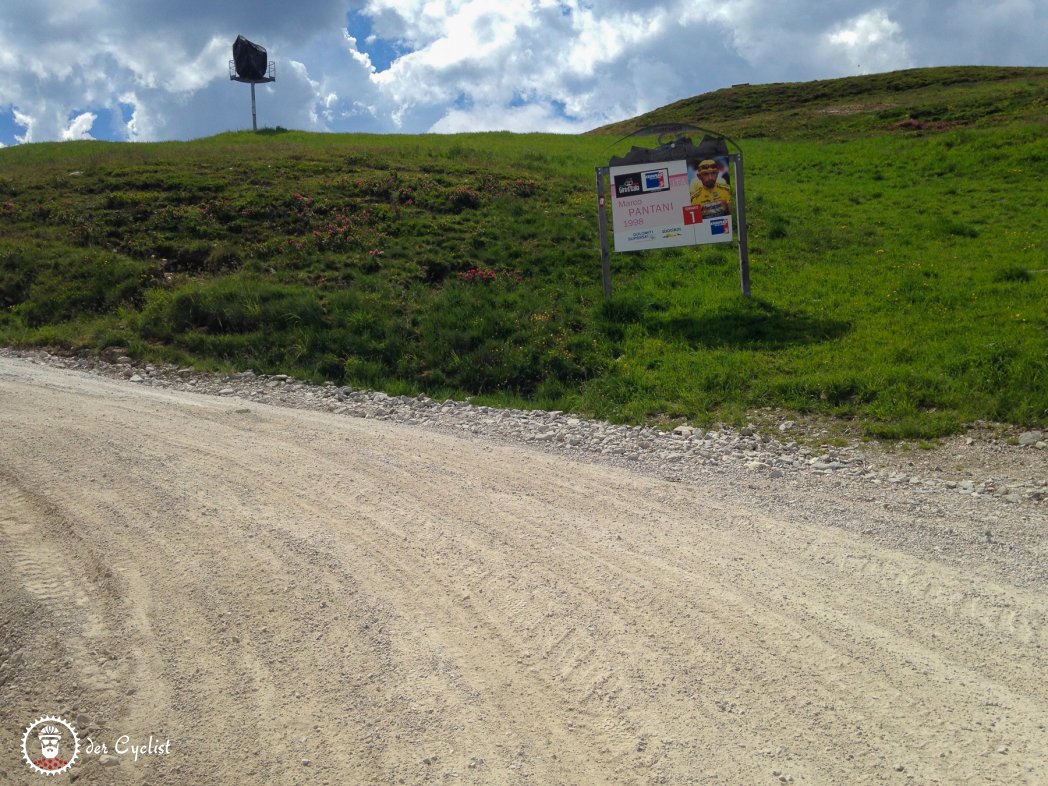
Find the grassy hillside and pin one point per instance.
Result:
(900, 277)
(919, 98)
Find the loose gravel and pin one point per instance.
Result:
(492, 596)
(1004, 467)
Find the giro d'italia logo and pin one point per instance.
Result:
(50, 745)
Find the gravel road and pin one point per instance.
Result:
(291, 594)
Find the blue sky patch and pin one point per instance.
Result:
(381, 51)
(9, 129)
(560, 109)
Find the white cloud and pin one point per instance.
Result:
(25, 121)
(872, 41)
(495, 117)
(558, 65)
(80, 127)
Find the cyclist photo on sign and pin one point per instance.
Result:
(709, 187)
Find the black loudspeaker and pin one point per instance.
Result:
(250, 59)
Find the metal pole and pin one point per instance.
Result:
(254, 121)
(744, 250)
(602, 221)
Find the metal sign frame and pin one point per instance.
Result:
(271, 76)
(738, 182)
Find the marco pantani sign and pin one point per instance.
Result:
(671, 203)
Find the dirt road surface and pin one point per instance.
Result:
(291, 597)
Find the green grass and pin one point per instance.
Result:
(899, 278)
(917, 98)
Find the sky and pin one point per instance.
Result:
(146, 70)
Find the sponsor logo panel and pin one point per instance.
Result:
(656, 180)
(628, 185)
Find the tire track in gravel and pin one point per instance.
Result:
(869, 631)
(391, 604)
(45, 558)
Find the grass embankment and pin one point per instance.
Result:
(838, 109)
(898, 278)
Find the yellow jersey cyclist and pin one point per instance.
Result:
(714, 198)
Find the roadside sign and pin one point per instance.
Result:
(674, 203)
(677, 194)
